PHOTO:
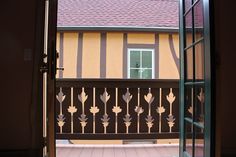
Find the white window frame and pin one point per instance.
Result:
(138, 49)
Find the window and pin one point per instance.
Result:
(141, 63)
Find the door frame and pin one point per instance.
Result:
(51, 75)
(209, 77)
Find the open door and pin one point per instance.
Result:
(49, 74)
(196, 127)
(21, 104)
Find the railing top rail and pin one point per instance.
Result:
(121, 83)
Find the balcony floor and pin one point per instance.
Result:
(130, 150)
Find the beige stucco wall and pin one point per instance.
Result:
(70, 46)
(91, 55)
(167, 66)
(141, 38)
(114, 55)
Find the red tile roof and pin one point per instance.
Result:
(124, 13)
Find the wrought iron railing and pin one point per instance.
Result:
(117, 109)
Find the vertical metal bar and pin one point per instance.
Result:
(105, 103)
(127, 104)
(83, 102)
(194, 79)
(160, 105)
(149, 109)
(209, 130)
(182, 77)
(138, 119)
(61, 103)
(45, 60)
(72, 101)
(192, 104)
(94, 96)
(149, 104)
(61, 54)
(171, 105)
(116, 123)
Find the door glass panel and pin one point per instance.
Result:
(199, 105)
(189, 138)
(189, 102)
(188, 4)
(198, 20)
(199, 143)
(135, 59)
(189, 64)
(188, 28)
(146, 59)
(199, 61)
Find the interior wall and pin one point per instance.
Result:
(20, 48)
(225, 32)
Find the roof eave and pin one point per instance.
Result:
(118, 28)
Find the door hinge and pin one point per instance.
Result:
(44, 68)
(45, 55)
(44, 142)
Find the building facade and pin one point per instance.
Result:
(135, 55)
(118, 39)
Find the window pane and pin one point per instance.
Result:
(188, 29)
(200, 101)
(189, 64)
(199, 142)
(198, 20)
(189, 102)
(135, 73)
(146, 73)
(135, 59)
(146, 59)
(188, 4)
(199, 61)
(188, 138)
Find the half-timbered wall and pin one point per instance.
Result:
(104, 54)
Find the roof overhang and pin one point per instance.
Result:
(118, 28)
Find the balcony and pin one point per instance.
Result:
(111, 109)
(117, 109)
